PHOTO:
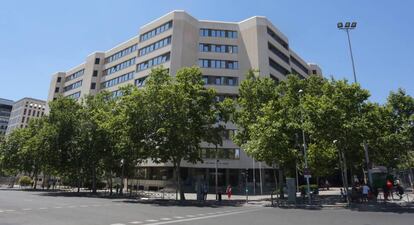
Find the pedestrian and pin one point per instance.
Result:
(386, 192)
(205, 191)
(365, 192)
(327, 184)
(390, 187)
(229, 191)
(343, 195)
(400, 190)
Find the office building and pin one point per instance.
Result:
(24, 110)
(5, 109)
(224, 51)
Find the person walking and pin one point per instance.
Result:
(205, 191)
(229, 191)
(327, 184)
(365, 192)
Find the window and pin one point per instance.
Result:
(120, 66)
(153, 62)
(218, 33)
(278, 67)
(298, 64)
(56, 89)
(152, 47)
(117, 80)
(314, 72)
(34, 112)
(220, 80)
(23, 119)
(140, 82)
(74, 96)
(274, 78)
(298, 74)
(93, 85)
(72, 86)
(156, 31)
(277, 38)
(58, 80)
(117, 93)
(277, 52)
(97, 61)
(121, 53)
(218, 64)
(24, 112)
(222, 153)
(218, 48)
(95, 73)
(75, 75)
(38, 113)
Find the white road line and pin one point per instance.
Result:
(9, 210)
(210, 213)
(96, 205)
(135, 222)
(57, 207)
(1, 211)
(27, 209)
(118, 224)
(71, 206)
(189, 216)
(83, 206)
(178, 217)
(203, 217)
(165, 219)
(151, 220)
(201, 214)
(43, 208)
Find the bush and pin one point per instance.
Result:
(313, 188)
(25, 181)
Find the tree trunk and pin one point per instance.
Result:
(110, 183)
(94, 178)
(79, 179)
(345, 176)
(35, 181)
(281, 184)
(121, 190)
(178, 181)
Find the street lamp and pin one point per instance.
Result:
(306, 171)
(347, 27)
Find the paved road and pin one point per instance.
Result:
(37, 208)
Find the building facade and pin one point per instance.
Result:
(24, 110)
(224, 51)
(5, 110)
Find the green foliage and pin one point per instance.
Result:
(103, 137)
(25, 181)
(312, 187)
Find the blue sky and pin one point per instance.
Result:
(38, 38)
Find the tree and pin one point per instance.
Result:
(182, 115)
(64, 117)
(130, 130)
(11, 157)
(94, 134)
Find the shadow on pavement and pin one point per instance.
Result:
(134, 199)
(335, 202)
